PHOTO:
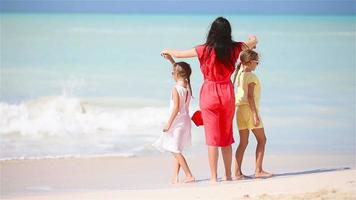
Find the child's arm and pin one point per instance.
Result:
(174, 111)
(180, 54)
(251, 102)
(169, 57)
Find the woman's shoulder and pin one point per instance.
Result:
(200, 48)
(203, 52)
(238, 45)
(201, 45)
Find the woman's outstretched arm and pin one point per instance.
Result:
(250, 44)
(180, 54)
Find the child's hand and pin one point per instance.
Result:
(166, 128)
(256, 119)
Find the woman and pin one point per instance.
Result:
(217, 59)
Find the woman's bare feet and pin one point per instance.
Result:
(263, 174)
(189, 179)
(227, 178)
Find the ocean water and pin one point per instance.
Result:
(95, 84)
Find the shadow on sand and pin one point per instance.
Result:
(314, 171)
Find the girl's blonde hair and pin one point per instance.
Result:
(184, 71)
(245, 57)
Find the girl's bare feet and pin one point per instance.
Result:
(189, 179)
(213, 180)
(175, 180)
(240, 177)
(227, 178)
(263, 174)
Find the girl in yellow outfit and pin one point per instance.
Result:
(247, 113)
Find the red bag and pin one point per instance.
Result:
(197, 119)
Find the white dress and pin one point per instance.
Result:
(179, 135)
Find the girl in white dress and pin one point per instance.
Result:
(177, 131)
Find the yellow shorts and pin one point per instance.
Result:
(244, 118)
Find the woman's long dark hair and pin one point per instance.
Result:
(219, 38)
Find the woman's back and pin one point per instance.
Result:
(217, 101)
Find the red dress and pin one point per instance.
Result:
(217, 98)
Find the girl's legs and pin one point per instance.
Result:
(175, 178)
(227, 157)
(240, 152)
(260, 150)
(183, 163)
(213, 162)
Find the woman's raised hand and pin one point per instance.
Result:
(252, 37)
(165, 54)
(252, 40)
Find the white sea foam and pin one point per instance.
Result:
(60, 125)
(63, 115)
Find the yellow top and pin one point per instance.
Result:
(243, 79)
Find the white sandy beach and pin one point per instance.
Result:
(297, 177)
(329, 185)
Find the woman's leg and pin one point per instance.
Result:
(183, 163)
(227, 157)
(213, 162)
(260, 151)
(240, 152)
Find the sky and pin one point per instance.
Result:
(301, 7)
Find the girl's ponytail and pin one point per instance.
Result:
(236, 72)
(184, 71)
(190, 87)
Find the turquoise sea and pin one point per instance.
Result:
(95, 84)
